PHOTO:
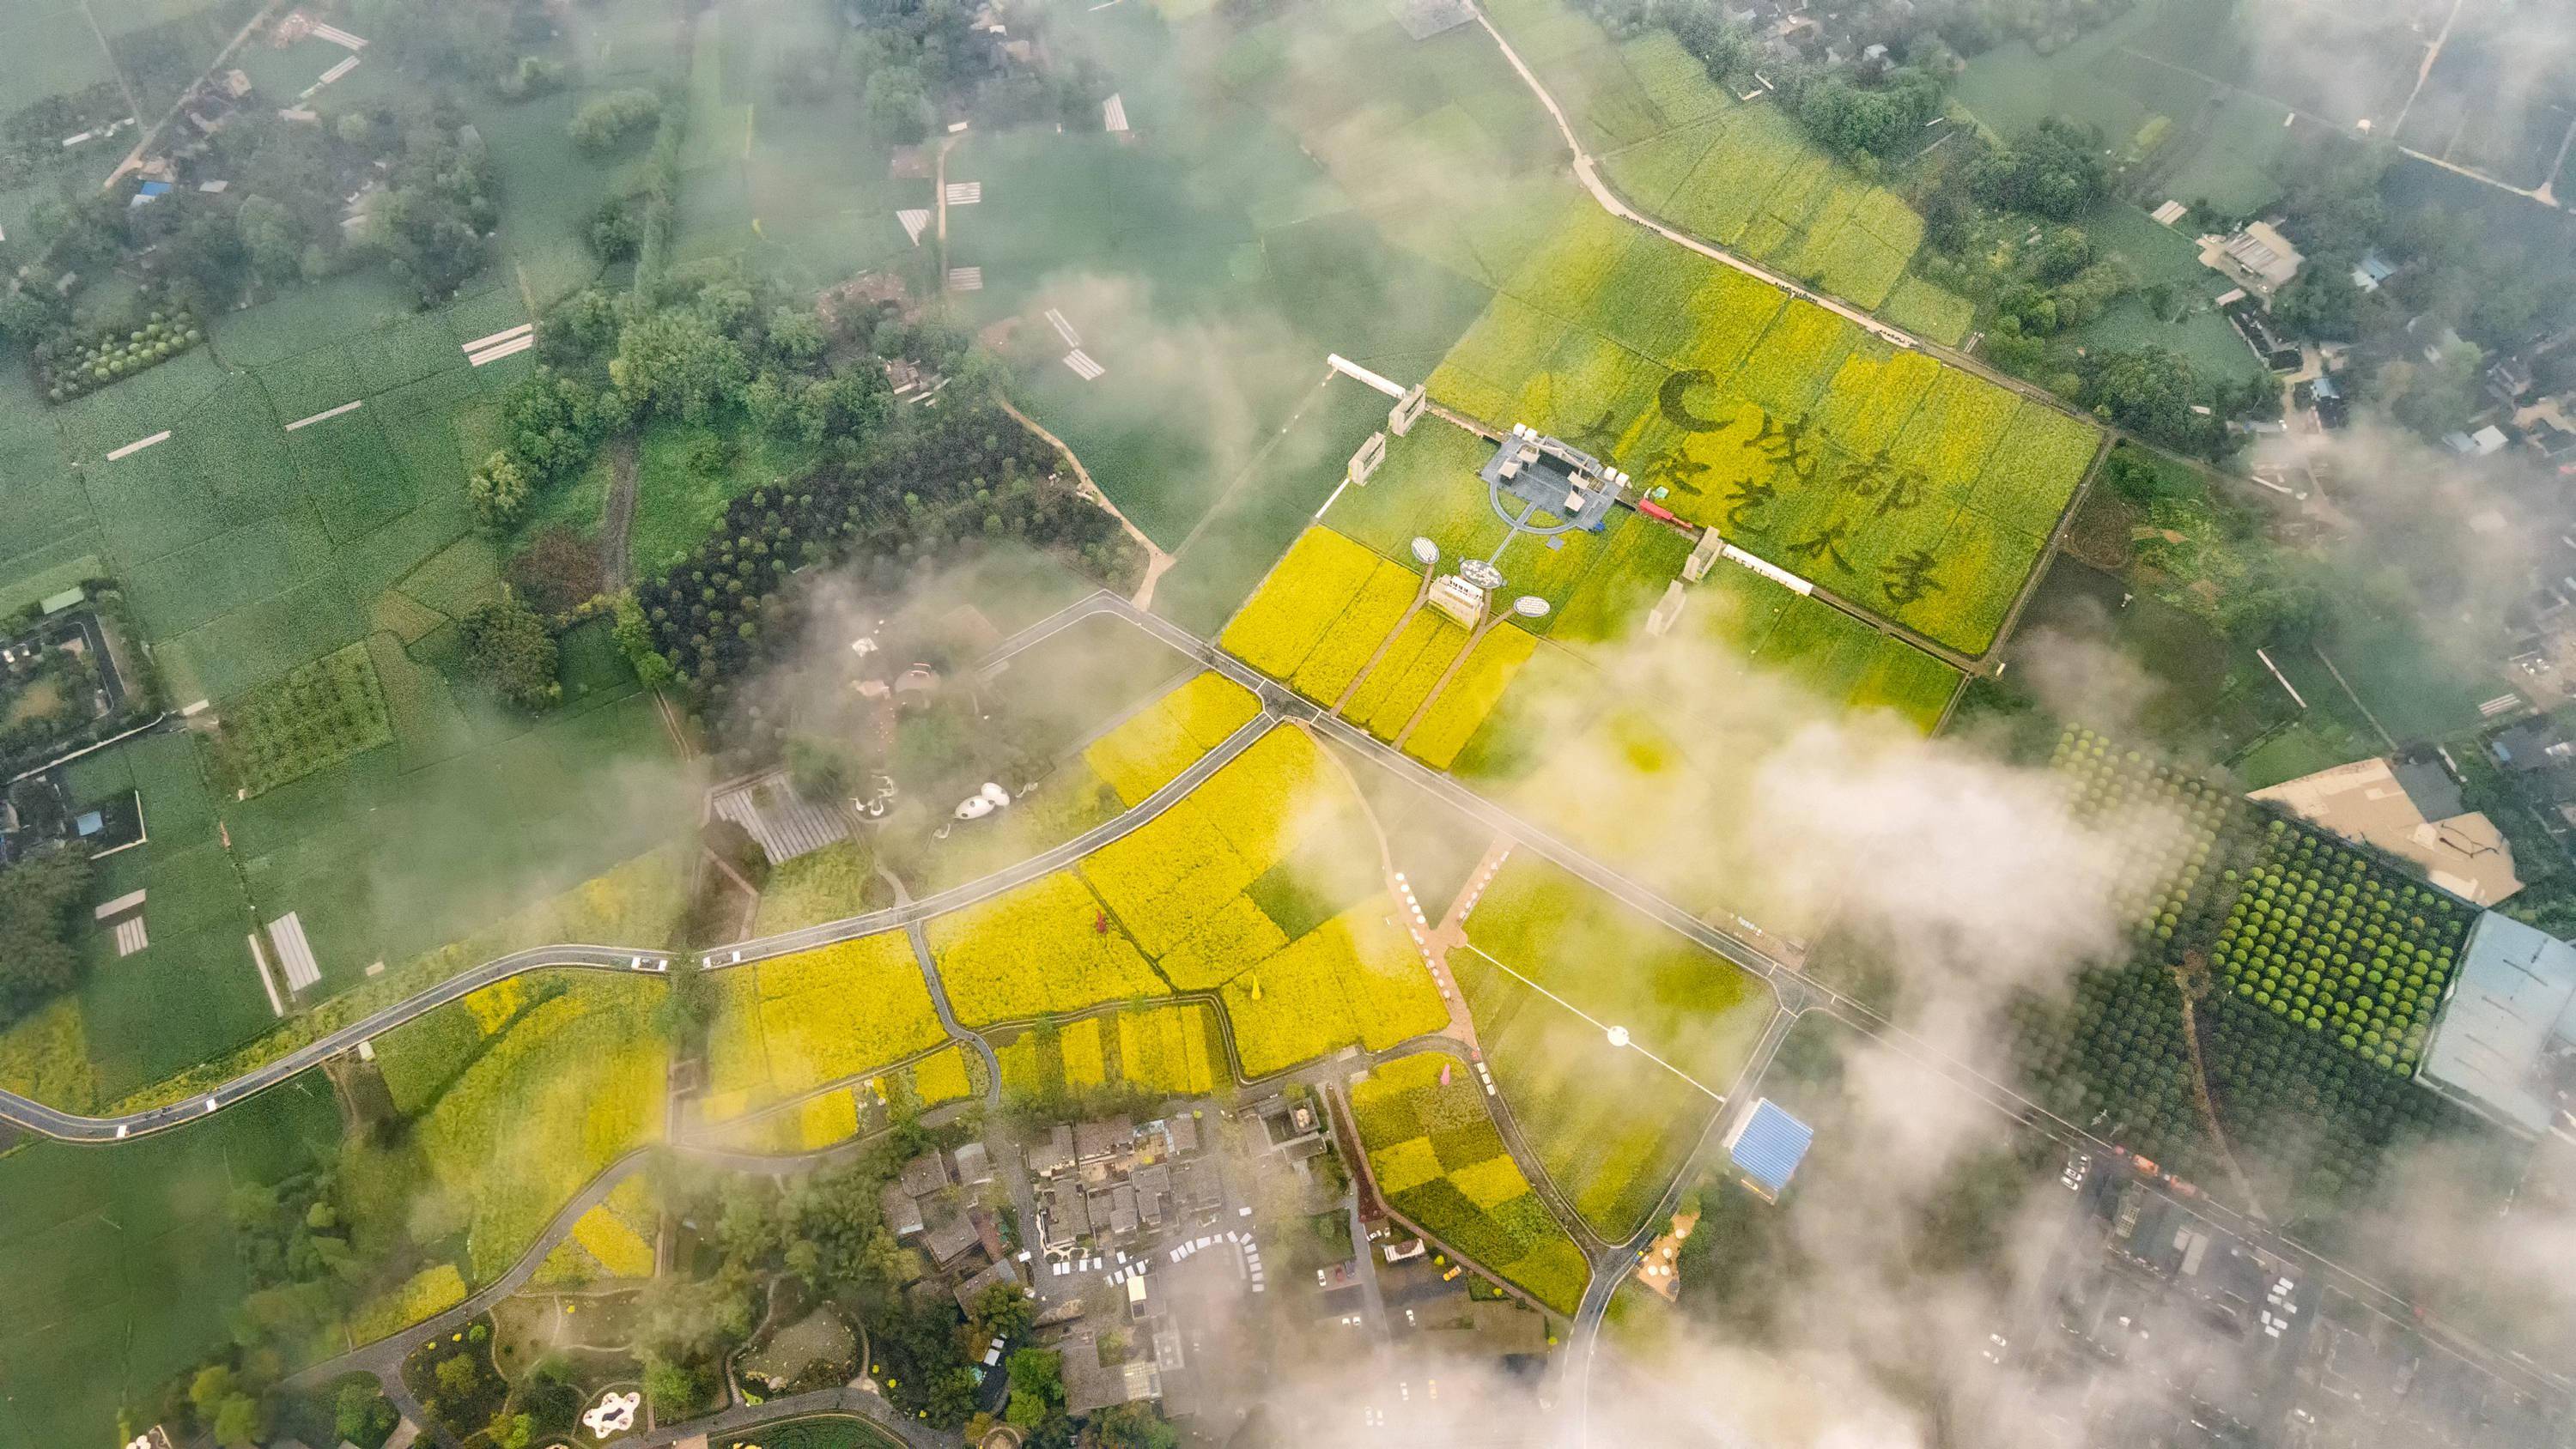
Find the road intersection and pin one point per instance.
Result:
(1794, 992)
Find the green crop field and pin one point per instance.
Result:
(1611, 1124)
(1740, 174)
(1738, 415)
(124, 1266)
(193, 991)
(1436, 1157)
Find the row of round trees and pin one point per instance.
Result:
(2168, 823)
(72, 365)
(2323, 938)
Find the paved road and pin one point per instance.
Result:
(64, 1126)
(1794, 991)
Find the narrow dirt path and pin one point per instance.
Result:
(617, 517)
(2209, 1105)
(1157, 562)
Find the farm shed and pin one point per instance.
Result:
(1767, 1147)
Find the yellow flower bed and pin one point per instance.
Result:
(1263, 801)
(1961, 420)
(566, 1267)
(617, 1248)
(1356, 634)
(1084, 1064)
(1165, 1049)
(838, 1012)
(44, 1057)
(1211, 708)
(494, 1005)
(1036, 951)
(1405, 1166)
(1159, 878)
(427, 1294)
(1874, 392)
(1471, 695)
(1353, 979)
(1308, 589)
(1146, 751)
(573, 1084)
(941, 1077)
(1797, 357)
(2035, 468)
(1391, 993)
(1490, 1183)
(737, 1059)
(1024, 1065)
(824, 885)
(1231, 935)
(1393, 708)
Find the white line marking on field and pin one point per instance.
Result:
(326, 415)
(915, 220)
(504, 335)
(1336, 493)
(1587, 1016)
(1082, 365)
(138, 445)
(506, 349)
(965, 193)
(1063, 328)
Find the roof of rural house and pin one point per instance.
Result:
(993, 1275)
(927, 1174)
(1055, 1154)
(948, 1237)
(2371, 802)
(1100, 1139)
(902, 1214)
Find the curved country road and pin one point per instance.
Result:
(1794, 991)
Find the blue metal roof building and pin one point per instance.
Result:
(1767, 1147)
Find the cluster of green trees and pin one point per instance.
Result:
(492, 44)
(610, 119)
(41, 895)
(2113, 1059)
(1865, 121)
(712, 346)
(824, 1234)
(928, 491)
(278, 222)
(307, 1266)
(509, 648)
(917, 61)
